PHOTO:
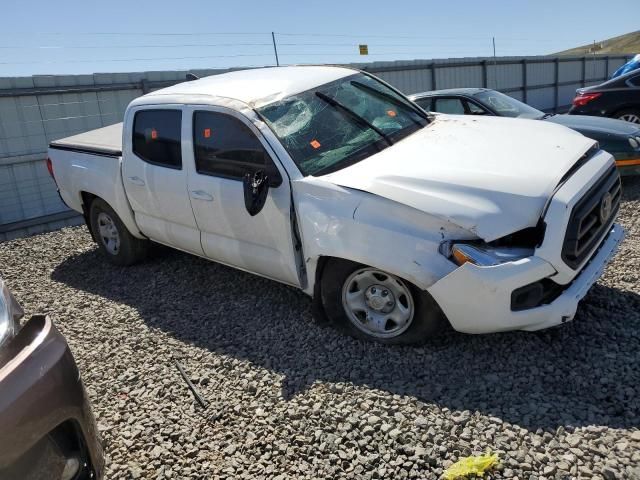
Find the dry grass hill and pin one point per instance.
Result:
(628, 43)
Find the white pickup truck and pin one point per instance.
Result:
(330, 180)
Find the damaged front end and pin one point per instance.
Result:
(509, 248)
(524, 281)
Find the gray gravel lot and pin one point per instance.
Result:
(289, 398)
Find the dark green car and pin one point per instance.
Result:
(621, 139)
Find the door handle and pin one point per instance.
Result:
(136, 181)
(201, 195)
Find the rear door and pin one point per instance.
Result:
(226, 146)
(155, 178)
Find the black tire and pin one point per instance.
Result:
(130, 249)
(629, 112)
(428, 319)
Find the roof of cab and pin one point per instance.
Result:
(259, 85)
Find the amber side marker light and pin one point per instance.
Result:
(459, 256)
(462, 253)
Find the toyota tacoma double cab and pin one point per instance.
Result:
(330, 180)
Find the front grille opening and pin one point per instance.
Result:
(536, 294)
(530, 237)
(590, 218)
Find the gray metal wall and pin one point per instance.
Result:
(36, 110)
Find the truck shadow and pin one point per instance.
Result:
(581, 374)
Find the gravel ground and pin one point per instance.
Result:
(289, 398)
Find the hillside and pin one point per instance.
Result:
(628, 43)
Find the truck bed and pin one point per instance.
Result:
(105, 141)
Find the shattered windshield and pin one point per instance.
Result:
(340, 123)
(506, 106)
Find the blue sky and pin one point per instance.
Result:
(86, 36)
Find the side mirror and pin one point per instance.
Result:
(256, 188)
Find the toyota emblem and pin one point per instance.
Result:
(605, 207)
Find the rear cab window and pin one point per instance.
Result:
(157, 137)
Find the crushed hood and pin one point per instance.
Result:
(491, 176)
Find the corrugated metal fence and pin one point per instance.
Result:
(36, 110)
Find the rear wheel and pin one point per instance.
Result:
(630, 115)
(374, 305)
(113, 238)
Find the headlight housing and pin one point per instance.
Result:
(634, 143)
(10, 313)
(481, 254)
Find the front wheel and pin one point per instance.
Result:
(375, 305)
(113, 238)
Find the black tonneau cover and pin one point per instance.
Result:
(106, 141)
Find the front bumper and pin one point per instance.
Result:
(41, 392)
(478, 299)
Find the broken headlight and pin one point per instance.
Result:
(481, 254)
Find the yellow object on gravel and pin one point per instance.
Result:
(477, 465)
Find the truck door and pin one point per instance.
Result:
(226, 146)
(155, 179)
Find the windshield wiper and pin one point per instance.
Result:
(397, 102)
(547, 115)
(353, 115)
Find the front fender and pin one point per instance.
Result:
(361, 227)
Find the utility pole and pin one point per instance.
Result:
(495, 64)
(275, 48)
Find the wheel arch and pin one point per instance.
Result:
(628, 106)
(428, 317)
(87, 198)
(318, 265)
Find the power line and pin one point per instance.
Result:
(54, 47)
(458, 48)
(241, 55)
(133, 59)
(185, 34)
(293, 34)
(193, 45)
(373, 36)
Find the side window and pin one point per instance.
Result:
(449, 105)
(425, 103)
(225, 147)
(475, 109)
(157, 137)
